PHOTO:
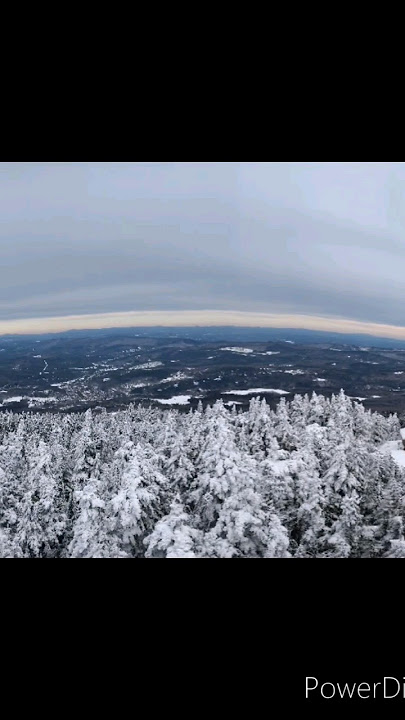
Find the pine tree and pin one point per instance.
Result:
(173, 535)
(285, 432)
(309, 500)
(92, 537)
(139, 499)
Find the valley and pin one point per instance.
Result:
(175, 368)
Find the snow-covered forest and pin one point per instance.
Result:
(310, 479)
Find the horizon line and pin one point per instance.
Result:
(198, 318)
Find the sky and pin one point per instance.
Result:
(104, 244)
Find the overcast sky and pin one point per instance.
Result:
(306, 239)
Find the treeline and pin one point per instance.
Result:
(306, 480)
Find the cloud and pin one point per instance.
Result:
(315, 239)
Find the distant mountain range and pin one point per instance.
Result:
(246, 334)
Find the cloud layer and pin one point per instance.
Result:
(313, 239)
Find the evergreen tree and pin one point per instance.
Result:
(173, 536)
(139, 500)
(316, 478)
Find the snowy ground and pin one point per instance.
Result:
(394, 447)
(32, 401)
(256, 391)
(243, 351)
(179, 400)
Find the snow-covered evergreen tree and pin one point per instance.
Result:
(316, 478)
(138, 500)
(173, 536)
